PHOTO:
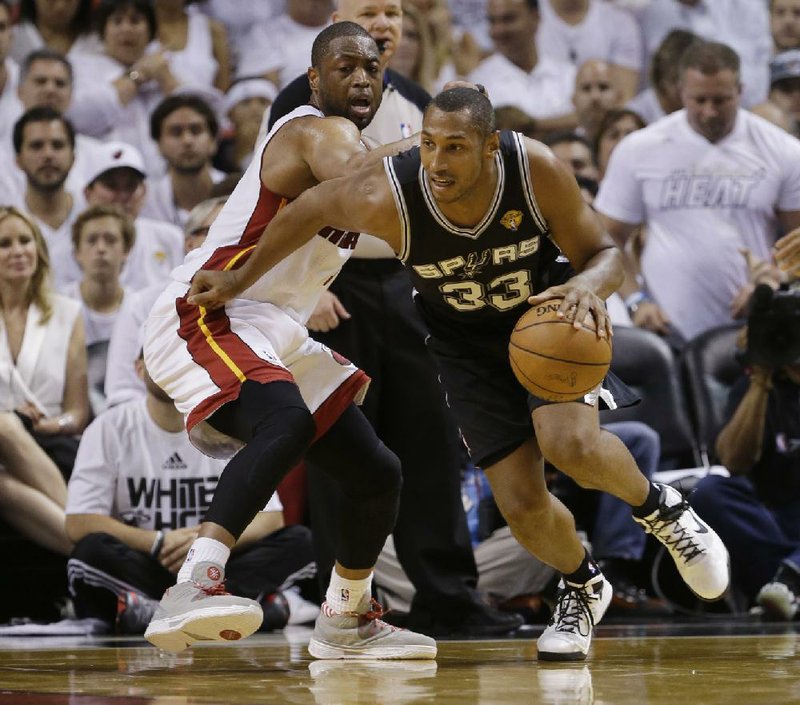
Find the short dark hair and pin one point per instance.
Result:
(566, 137)
(709, 58)
(321, 46)
(41, 113)
(476, 104)
(44, 54)
(665, 60)
(106, 8)
(612, 117)
(182, 100)
(127, 227)
(81, 22)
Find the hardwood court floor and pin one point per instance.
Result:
(722, 663)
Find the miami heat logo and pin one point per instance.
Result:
(511, 220)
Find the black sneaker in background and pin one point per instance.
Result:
(780, 598)
(134, 612)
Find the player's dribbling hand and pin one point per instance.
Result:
(213, 289)
(576, 302)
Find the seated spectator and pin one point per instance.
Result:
(415, 56)
(784, 24)
(530, 93)
(44, 142)
(64, 27)
(119, 179)
(757, 509)
(196, 46)
(245, 105)
(102, 237)
(116, 91)
(42, 386)
(45, 80)
(595, 94)
(122, 382)
(784, 91)
(579, 30)
(576, 152)
(663, 96)
(185, 129)
(10, 108)
(615, 125)
(136, 498)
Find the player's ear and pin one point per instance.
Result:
(313, 78)
(492, 144)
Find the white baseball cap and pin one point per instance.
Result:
(115, 155)
(249, 88)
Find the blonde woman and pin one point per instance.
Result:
(43, 393)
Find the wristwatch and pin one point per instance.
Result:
(136, 76)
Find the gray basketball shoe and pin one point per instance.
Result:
(362, 635)
(699, 554)
(201, 610)
(578, 609)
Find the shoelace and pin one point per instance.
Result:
(675, 537)
(216, 589)
(572, 606)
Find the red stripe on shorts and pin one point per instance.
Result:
(333, 407)
(231, 345)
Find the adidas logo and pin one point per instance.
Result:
(174, 462)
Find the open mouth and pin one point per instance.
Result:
(361, 106)
(382, 45)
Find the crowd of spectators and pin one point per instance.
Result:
(125, 123)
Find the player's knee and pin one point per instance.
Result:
(523, 506)
(384, 476)
(290, 432)
(571, 450)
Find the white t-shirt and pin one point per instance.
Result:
(157, 249)
(741, 24)
(606, 33)
(701, 203)
(131, 469)
(646, 105)
(160, 202)
(545, 92)
(10, 105)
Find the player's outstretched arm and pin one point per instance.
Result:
(576, 229)
(361, 202)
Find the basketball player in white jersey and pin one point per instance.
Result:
(250, 381)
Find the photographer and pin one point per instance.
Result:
(756, 511)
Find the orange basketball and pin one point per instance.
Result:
(554, 360)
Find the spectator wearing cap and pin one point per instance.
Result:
(185, 129)
(784, 92)
(44, 143)
(119, 179)
(244, 108)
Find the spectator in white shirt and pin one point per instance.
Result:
(185, 129)
(709, 181)
(784, 24)
(10, 107)
(530, 93)
(579, 30)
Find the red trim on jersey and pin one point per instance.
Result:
(267, 205)
(333, 407)
(229, 344)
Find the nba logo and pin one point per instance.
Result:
(190, 555)
(345, 595)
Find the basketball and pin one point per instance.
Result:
(554, 360)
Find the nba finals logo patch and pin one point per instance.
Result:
(511, 220)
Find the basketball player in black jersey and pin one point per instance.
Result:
(488, 224)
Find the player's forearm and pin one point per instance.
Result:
(603, 273)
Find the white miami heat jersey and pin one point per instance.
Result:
(293, 285)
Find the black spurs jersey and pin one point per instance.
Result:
(474, 282)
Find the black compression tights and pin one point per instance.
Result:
(277, 427)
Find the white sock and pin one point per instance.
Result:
(344, 595)
(204, 550)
